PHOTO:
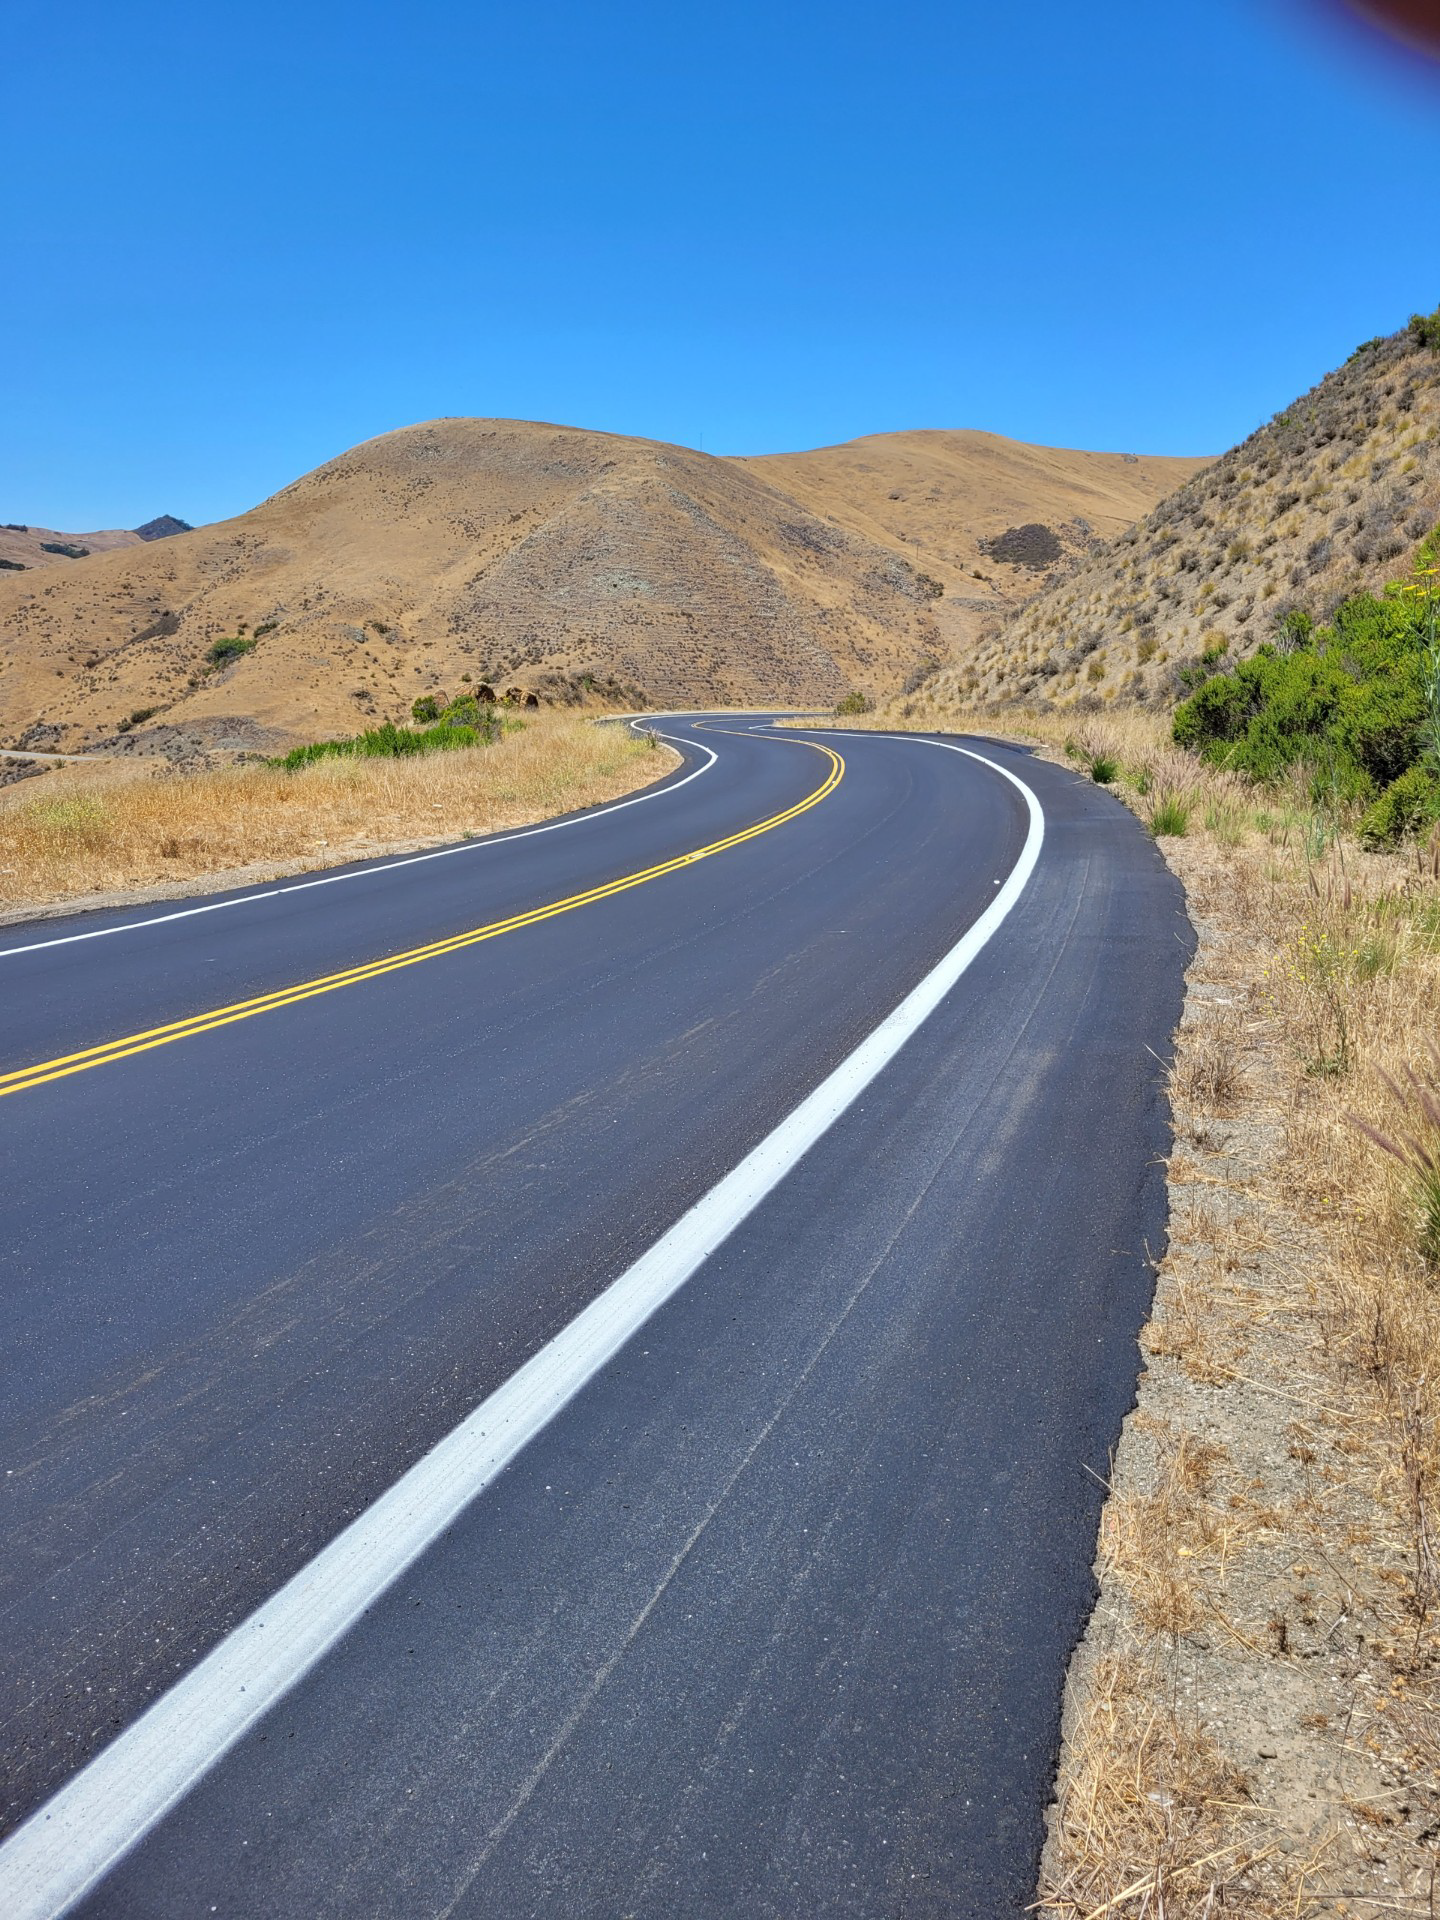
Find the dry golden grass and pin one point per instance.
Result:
(1335, 966)
(97, 831)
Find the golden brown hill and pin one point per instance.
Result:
(1327, 499)
(993, 520)
(27, 547)
(541, 557)
(519, 554)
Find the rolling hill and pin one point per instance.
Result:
(23, 548)
(994, 520)
(570, 564)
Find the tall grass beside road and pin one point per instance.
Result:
(117, 828)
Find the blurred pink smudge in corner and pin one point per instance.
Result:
(1403, 34)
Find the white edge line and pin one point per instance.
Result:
(387, 866)
(72, 1841)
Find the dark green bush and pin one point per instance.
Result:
(1346, 701)
(426, 709)
(230, 648)
(853, 703)
(1404, 808)
(1426, 329)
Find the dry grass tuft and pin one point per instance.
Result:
(1209, 1075)
(97, 831)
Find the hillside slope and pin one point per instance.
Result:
(518, 553)
(27, 547)
(993, 520)
(1317, 505)
(22, 547)
(541, 557)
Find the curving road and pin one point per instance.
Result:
(751, 1593)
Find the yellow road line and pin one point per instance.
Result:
(43, 1071)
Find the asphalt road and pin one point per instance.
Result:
(772, 1618)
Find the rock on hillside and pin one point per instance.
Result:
(1327, 499)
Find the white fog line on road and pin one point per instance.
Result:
(362, 873)
(66, 1847)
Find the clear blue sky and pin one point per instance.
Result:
(239, 238)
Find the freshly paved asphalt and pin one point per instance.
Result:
(773, 1619)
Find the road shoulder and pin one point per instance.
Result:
(1250, 1720)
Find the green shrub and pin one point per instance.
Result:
(1170, 815)
(481, 726)
(853, 703)
(1407, 805)
(1346, 701)
(1103, 769)
(426, 709)
(1426, 329)
(230, 648)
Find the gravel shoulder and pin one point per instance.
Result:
(1250, 1720)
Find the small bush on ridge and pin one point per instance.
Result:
(230, 648)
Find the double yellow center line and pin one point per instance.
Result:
(43, 1071)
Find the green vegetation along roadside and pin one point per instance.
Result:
(1354, 704)
(466, 722)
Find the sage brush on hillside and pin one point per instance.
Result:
(1355, 704)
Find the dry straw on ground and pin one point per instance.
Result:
(109, 829)
(1254, 1724)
